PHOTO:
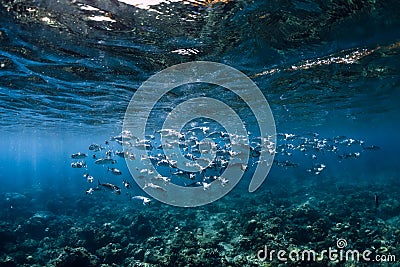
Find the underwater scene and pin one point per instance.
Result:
(199, 133)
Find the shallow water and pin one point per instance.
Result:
(68, 71)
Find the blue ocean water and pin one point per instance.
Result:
(329, 71)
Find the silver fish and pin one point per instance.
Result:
(79, 164)
(104, 161)
(115, 189)
(115, 171)
(78, 155)
(89, 178)
(95, 147)
(126, 184)
(91, 190)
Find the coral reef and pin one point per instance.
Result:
(229, 232)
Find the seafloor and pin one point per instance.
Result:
(102, 230)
